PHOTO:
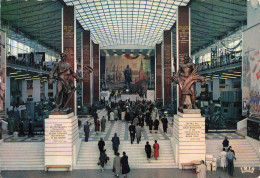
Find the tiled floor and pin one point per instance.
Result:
(136, 173)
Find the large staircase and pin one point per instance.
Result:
(245, 153)
(89, 155)
(22, 156)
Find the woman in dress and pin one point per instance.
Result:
(223, 160)
(156, 148)
(125, 165)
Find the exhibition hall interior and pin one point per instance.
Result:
(182, 73)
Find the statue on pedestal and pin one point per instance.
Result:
(65, 87)
(186, 77)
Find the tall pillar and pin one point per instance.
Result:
(8, 92)
(198, 89)
(24, 91)
(46, 90)
(216, 92)
(69, 43)
(183, 37)
(229, 84)
(36, 90)
(96, 68)
(86, 62)
(158, 71)
(167, 67)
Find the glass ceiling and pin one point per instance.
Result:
(115, 22)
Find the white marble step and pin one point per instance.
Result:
(135, 152)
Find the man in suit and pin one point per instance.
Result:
(87, 130)
(132, 132)
(116, 143)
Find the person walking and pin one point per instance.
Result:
(223, 159)
(30, 129)
(123, 115)
(138, 133)
(103, 124)
(116, 142)
(101, 145)
(165, 123)
(125, 165)
(148, 150)
(21, 131)
(230, 148)
(132, 132)
(230, 162)
(156, 125)
(116, 114)
(97, 126)
(151, 125)
(135, 121)
(87, 130)
(116, 165)
(225, 143)
(102, 159)
(112, 116)
(201, 170)
(156, 148)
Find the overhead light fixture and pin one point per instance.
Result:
(13, 73)
(238, 72)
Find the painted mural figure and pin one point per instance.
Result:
(128, 75)
(64, 83)
(186, 77)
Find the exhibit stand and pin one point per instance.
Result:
(188, 140)
(61, 142)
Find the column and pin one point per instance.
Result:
(216, 93)
(183, 37)
(24, 91)
(54, 89)
(167, 65)
(69, 44)
(86, 62)
(7, 93)
(229, 84)
(96, 67)
(46, 90)
(198, 89)
(36, 90)
(158, 71)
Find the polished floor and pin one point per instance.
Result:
(137, 173)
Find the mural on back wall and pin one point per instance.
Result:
(251, 72)
(118, 76)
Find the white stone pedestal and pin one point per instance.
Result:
(188, 138)
(61, 140)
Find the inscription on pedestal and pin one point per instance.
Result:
(192, 131)
(56, 133)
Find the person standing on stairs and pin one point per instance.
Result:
(156, 148)
(103, 159)
(116, 143)
(148, 150)
(103, 124)
(225, 143)
(132, 132)
(116, 165)
(97, 126)
(223, 159)
(165, 123)
(101, 145)
(87, 130)
(151, 125)
(125, 165)
(230, 160)
(156, 125)
(138, 133)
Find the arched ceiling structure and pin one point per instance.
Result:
(133, 22)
